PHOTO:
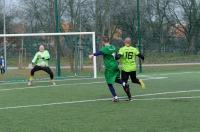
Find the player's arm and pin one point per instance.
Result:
(119, 54)
(98, 53)
(35, 58)
(141, 56)
(138, 54)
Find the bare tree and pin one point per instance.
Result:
(157, 21)
(186, 13)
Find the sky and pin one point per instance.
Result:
(10, 4)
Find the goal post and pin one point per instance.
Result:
(94, 58)
(65, 36)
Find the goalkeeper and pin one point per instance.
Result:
(127, 56)
(40, 61)
(112, 73)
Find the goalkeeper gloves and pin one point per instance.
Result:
(141, 56)
(45, 58)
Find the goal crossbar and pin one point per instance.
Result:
(46, 34)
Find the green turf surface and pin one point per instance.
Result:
(23, 74)
(33, 109)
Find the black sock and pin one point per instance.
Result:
(127, 89)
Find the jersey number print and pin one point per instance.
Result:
(129, 55)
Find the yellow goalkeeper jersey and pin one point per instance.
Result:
(41, 58)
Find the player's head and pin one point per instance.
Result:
(1, 56)
(105, 40)
(41, 48)
(127, 41)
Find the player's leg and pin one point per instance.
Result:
(125, 87)
(134, 79)
(49, 71)
(4, 70)
(112, 90)
(124, 78)
(35, 68)
(110, 76)
(1, 69)
(123, 83)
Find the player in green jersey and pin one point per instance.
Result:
(41, 60)
(127, 56)
(112, 73)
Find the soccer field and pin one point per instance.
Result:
(170, 103)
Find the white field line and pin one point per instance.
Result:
(46, 80)
(69, 84)
(58, 103)
(74, 79)
(178, 73)
(52, 86)
(164, 93)
(170, 64)
(171, 98)
(171, 73)
(94, 100)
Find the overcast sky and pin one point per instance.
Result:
(11, 4)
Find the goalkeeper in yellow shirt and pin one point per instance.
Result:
(41, 62)
(127, 56)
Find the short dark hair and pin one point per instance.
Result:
(105, 39)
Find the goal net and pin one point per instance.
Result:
(69, 54)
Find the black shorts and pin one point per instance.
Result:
(46, 69)
(125, 76)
